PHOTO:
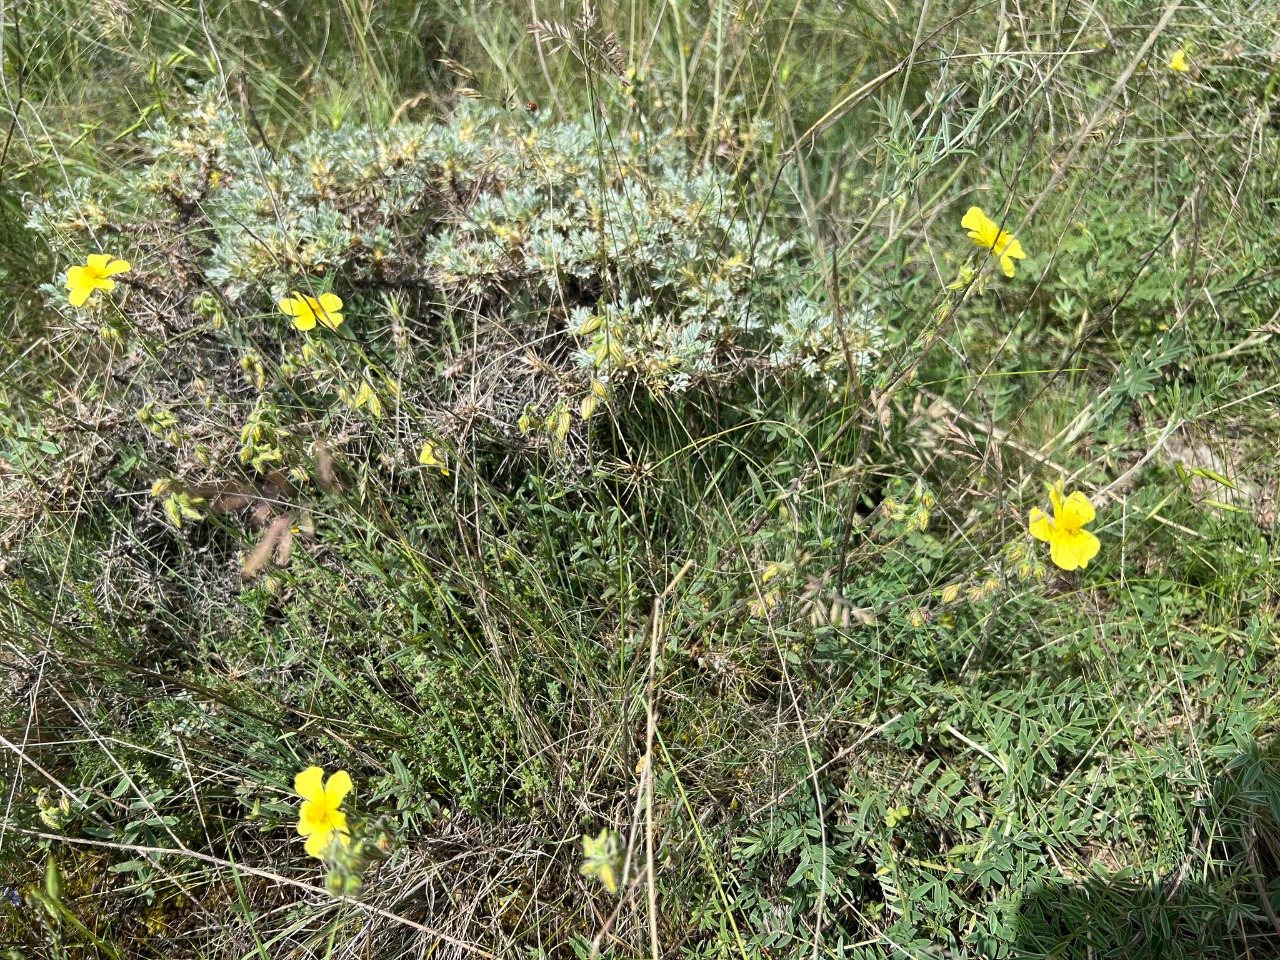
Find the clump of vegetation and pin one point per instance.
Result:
(499, 275)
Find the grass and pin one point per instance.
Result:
(781, 629)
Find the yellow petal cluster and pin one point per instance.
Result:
(427, 457)
(96, 274)
(986, 233)
(319, 819)
(1178, 61)
(307, 310)
(1070, 545)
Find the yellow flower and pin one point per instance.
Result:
(602, 858)
(986, 233)
(319, 817)
(306, 310)
(94, 275)
(1071, 546)
(427, 457)
(1178, 61)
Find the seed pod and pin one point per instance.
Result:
(563, 422)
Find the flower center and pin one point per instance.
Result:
(318, 817)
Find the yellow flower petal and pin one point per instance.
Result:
(116, 266)
(309, 785)
(1012, 251)
(986, 238)
(1041, 526)
(318, 843)
(97, 262)
(79, 294)
(1055, 497)
(308, 821)
(1089, 547)
(1074, 512)
(339, 786)
(975, 220)
(290, 307)
(330, 302)
(1073, 549)
(1178, 61)
(329, 318)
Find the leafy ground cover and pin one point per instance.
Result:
(649, 480)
